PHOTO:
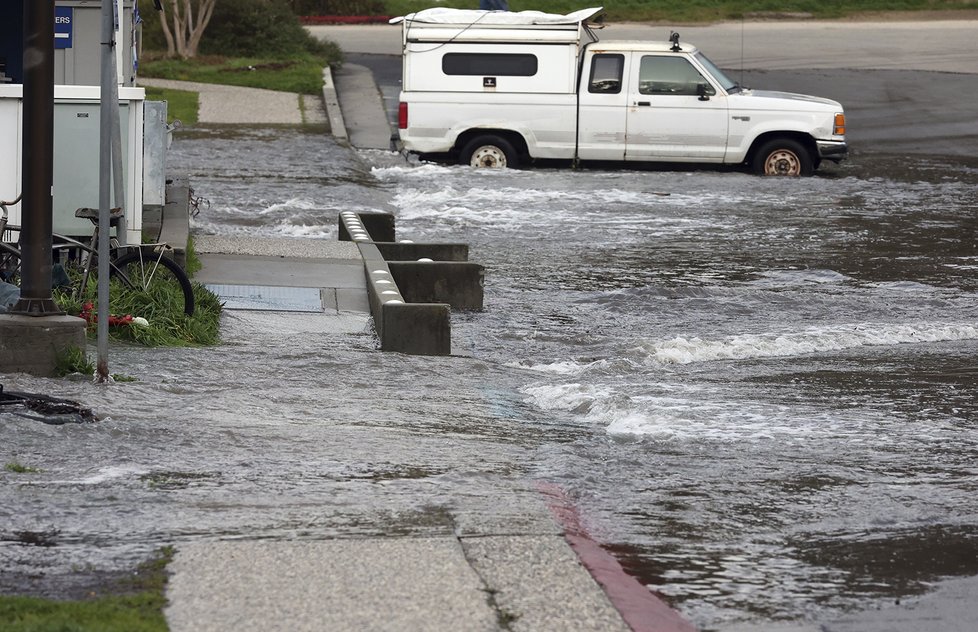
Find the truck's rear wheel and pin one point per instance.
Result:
(489, 151)
(783, 157)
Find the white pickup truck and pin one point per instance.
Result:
(496, 89)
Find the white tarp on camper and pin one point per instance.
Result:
(485, 18)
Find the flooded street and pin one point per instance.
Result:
(761, 393)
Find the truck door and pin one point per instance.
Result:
(603, 100)
(674, 111)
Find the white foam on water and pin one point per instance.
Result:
(683, 350)
(682, 413)
(799, 277)
(291, 204)
(425, 171)
(104, 474)
(560, 367)
(677, 412)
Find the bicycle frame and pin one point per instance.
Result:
(148, 257)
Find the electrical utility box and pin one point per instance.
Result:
(76, 155)
(77, 58)
(78, 37)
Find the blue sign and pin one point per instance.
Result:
(63, 17)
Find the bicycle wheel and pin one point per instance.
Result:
(161, 278)
(9, 264)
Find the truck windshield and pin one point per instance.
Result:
(728, 84)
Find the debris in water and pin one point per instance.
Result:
(49, 410)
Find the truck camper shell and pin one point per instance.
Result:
(459, 50)
(463, 25)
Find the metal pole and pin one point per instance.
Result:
(118, 179)
(38, 162)
(105, 185)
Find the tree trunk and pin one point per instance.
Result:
(184, 27)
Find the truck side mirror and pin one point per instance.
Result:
(703, 91)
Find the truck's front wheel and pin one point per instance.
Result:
(783, 157)
(489, 151)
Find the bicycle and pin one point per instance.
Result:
(144, 268)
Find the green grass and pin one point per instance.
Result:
(181, 105)
(73, 360)
(300, 73)
(135, 605)
(18, 468)
(700, 10)
(168, 326)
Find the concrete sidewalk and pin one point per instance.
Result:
(437, 584)
(233, 105)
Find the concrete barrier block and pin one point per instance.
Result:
(405, 251)
(416, 328)
(31, 344)
(380, 226)
(460, 284)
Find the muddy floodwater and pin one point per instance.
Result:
(761, 393)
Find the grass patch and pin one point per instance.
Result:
(701, 10)
(301, 73)
(194, 264)
(168, 325)
(136, 606)
(73, 360)
(17, 468)
(181, 105)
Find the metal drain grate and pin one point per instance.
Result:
(269, 298)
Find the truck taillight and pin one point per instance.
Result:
(402, 119)
(840, 124)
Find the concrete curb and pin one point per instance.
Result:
(331, 101)
(413, 328)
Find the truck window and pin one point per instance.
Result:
(494, 64)
(659, 74)
(606, 74)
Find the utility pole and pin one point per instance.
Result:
(37, 223)
(108, 123)
(27, 343)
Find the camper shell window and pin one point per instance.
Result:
(495, 64)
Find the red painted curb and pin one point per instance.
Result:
(641, 610)
(344, 19)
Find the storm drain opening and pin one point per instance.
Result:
(269, 298)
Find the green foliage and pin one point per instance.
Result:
(302, 73)
(72, 360)
(168, 325)
(181, 105)
(194, 264)
(696, 10)
(17, 468)
(137, 606)
(338, 7)
(152, 32)
(257, 28)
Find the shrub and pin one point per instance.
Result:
(256, 28)
(241, 28)
(338, 7)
